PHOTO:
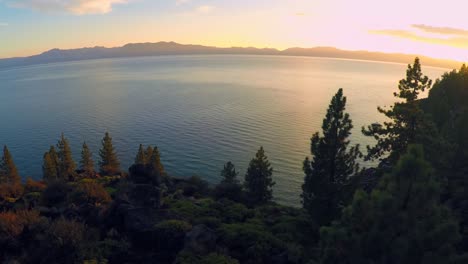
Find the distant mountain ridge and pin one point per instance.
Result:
(172, 48)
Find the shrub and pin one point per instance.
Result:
(56, 193)
(13, 223)
(34, 186)
(188, 209)
(170, 238)
(11, 192)
(251, 243)
(212, 258)
(231, 191)
(92, 192)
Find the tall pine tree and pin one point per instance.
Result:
(402, 221)
(8, 171)
(327, 175)
(258, 179)
(155, 164)
(66, 168)
(109, 164)
(141, 156)
(229, 174)
(50, 165)
(148, 154)
(407, 122)
(86, 162)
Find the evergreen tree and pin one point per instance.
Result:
(328, 174)
(229, 187)
(8, 171)
(258, 179)
(406, 118)
(148, 153)
(402, 221)
(109, 164)
(229, 174)
(86, 162)
(66, 168)
(51, 165)
(141, 156)
(155, 164)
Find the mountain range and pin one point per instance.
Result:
(172, 48)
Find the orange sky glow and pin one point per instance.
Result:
(433, 28)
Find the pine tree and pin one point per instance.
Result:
(155, 164)
(402, 221)
(229, 173)
(8, 171)
(67, 166)
(148, 153)
(141, 156)
(407, 120)
(258, 179)
(50, 166)
(109, 164)
(86, 162)
(328, 174)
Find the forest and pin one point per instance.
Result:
(411, 208)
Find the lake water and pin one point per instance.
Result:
(201, 111)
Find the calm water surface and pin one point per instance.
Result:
(201, 111)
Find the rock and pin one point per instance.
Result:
(200, 240)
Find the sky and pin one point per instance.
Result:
(427, 27)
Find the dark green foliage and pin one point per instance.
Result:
(229, 173)
(8, 171)
(109, 164)
(141, 156)
(66, 165)
(230, 186)
(258, 179)
(50, 165)
(251, 243)
(327, 175)
(402, 221)
(170, 238)
(56, 193)
(147, 169)
(213, 258)
(407, 120)
(447, 105)
(86, 162)
(155, 164)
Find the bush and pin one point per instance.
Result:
(236, 212)
(231, 191)
(11, 192)
(196, 187)
(212, 258)
(13, 223)
(56, 193)
(190, 210)
(170, 238)
(251, 243)
(34, 186)
(92, 192)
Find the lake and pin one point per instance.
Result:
(201, 111)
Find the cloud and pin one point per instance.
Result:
(205, 9)
(182, 2)
(441, 30)
(77, 7)
(457, 41)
